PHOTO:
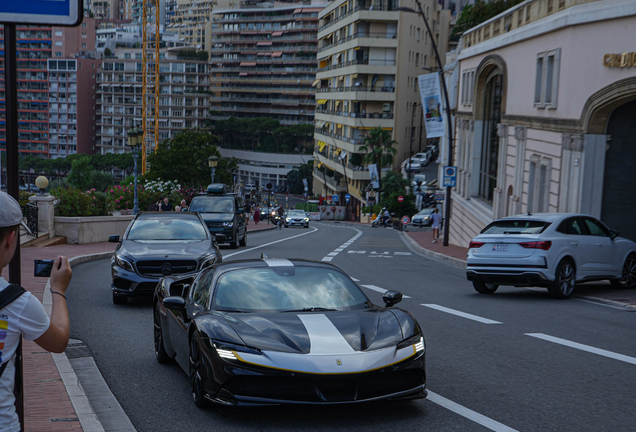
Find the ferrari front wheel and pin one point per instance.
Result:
(196, 374)
(160, 351)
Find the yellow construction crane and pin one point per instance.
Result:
(150, 87)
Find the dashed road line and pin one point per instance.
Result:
(330, 256)
(313, 230)
(380, 290)
(481, 419)
(461, 314)
(582, 347)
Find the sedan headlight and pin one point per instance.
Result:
(228, 224)
(124, 263)
(208, 261)
(288, 219)
(306, 219)
(226, 350)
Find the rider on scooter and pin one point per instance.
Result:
(385, 216)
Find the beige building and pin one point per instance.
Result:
(183, 99)
(370, 56)
(190, 19)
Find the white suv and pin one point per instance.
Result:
(553, 250)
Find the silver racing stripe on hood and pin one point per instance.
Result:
(330, 353)
(278, 262)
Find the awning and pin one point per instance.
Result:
(321, 101)
(242, 73)
(277, 54)
(320, 124)
(248, 64)
(337, 103)
(263, 43)
(249, 32)
(263, 54)
(321, 145)
(327, 123)
(336, 56)
(299, 10)
(368, 128)
(316, 83)
(356, 48)
(277, 33)
(354, 75)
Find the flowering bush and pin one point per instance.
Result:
(74, 202)
(149, 193)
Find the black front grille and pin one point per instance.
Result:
(146, 288)
(153, 268)
(320, 388)
(120, 283)
(215, 224)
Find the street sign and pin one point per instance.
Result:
(347, 197)
(269, 186)
(440, 196)
(400, 198)
(334, 198)
(450, 176)
(45, 12)
(405, 220)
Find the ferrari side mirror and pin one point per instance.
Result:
(174, 303)
(391, 298)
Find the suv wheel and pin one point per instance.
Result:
(563, 285)
(235, 243)
(485, 288)
(628, 280)
(244, 240)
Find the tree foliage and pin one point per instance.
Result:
(380, 150)
(264, 134)
(473, 15)
(80, 172)
(184, 159)
(295, 178)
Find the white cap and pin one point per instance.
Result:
(10, 213)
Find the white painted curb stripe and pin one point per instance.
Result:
(468, 413)
(461, 314)
(380, 290)
(586, 348)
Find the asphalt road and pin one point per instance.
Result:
(504, 362)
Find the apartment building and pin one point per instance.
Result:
(33, 51)
(190, 19)
(370, 56)
(263, 61)
(183, 102)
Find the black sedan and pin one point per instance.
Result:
(156, 245)
(277, 331)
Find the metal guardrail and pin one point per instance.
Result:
(31, 214)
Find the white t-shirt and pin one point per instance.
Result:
(26, 317)
(436, 219)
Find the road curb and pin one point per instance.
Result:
(83, 408)
(412, 244)
(626, 306)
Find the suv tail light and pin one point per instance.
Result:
(475, 245)
(543, 245)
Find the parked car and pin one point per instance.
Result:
(418, 178)
(553, 250)
(156, 245)
(278, 331)
(296, 218)
(223, 213)
(423, 218)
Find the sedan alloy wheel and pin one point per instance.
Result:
(563, 284)
(628, 280)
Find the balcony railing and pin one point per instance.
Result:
(327, 133)
(356, 89)
(372, 35)
(370, 62)
(356, 115)
(379, 7)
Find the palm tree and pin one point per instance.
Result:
(380, 151)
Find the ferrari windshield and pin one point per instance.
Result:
(167, 228)
(212, 205)
(281, 289)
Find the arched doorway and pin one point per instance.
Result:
(490, 140)
(619, 184)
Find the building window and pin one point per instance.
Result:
(468, 86)
(490, 141)
(58, 54)
(539, 184)
(546, 87)
(59, 43)
(58, 33)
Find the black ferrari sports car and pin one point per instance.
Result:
(277, 331)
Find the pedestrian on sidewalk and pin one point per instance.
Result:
(257, 214)
(24, 315)
(166, 206)
(436, 218)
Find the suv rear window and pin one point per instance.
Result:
(516, 227)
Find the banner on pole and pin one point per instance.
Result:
(432, 104)
(373, 175)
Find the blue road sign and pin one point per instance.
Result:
(51, 12)
(450, 176)
(334, 198)
(347, 197)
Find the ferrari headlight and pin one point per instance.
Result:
(228, 224)
(226, 350)
(416, 341)
(123, 263)
(419, 347)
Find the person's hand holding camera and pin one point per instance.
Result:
(61, 275)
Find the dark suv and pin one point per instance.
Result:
(223, 213)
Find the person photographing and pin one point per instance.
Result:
(22, 315)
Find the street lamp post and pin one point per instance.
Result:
(134, 140)
(213, 161)
(440, 67)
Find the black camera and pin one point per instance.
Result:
(42, 268)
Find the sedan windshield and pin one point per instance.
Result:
(516, 227)
(165, 228)
(297, 213)
(286, 289)
(213, 205)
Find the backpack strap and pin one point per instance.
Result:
(9, 294)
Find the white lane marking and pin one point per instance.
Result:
(481, 419)
(380, 290)
(586, 348)
(355, 280)
(270, 243)
(324, 337)
(461, 314)
(402, 253)
(342, 247)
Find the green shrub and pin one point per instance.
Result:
(24, 199)
(75, 203)
(100, 180)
